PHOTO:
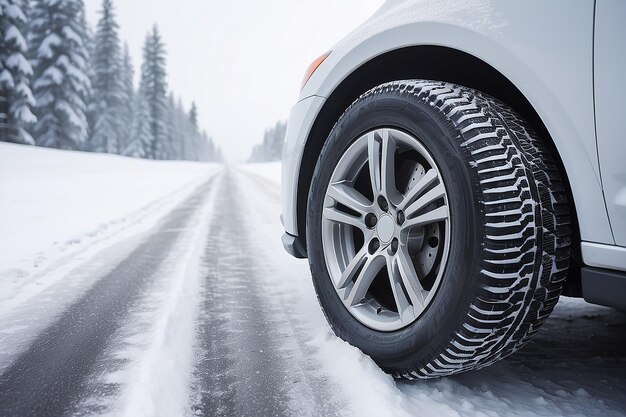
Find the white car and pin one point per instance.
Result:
(452, 167)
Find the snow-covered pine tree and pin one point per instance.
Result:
(128, 99)
(89, 42)
(153, 87)
(202, 147)
(107, 84)
(183, 126)
(193, 138)
(175, 131)
(185, 131)
(140, 141)
(193, 115)
(59, 57)
(16, 98)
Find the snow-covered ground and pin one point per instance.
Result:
(268, 170)
(575, 367)
(170, 294)
(54, 204)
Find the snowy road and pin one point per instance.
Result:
(204, 314)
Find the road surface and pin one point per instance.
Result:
(204, 314)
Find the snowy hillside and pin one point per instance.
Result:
(55, 202)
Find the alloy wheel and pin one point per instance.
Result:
(385, 229)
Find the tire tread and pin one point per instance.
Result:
(527, 224)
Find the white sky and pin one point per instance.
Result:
(241, 61)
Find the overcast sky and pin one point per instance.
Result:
(241, 61)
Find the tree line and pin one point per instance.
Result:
(271, 149)
(66, 87)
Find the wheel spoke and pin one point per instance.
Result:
(373, 264)
(438, 214)
(388, 168)
(381, 149)
(434, 194)
(349, 197)
(352, 268)
(374, 150)
(411, 281)
(402, 303)
(429, 177)
(332, 214)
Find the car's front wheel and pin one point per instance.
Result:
(437, 229)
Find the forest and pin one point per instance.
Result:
(271, 148)
(65, 85)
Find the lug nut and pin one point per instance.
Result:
(393, 247)
(400, 217)
(382, 203)
(373, 246)
(370, 220)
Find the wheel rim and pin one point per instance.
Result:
(385, 229)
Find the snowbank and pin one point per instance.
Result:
(52, 200)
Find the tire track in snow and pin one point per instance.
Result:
(47, 379)
(356, 385)
(44, 295)
(249, 364)
(145, 369)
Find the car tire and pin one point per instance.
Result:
(506, 238)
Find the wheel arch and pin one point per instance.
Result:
(424, 62)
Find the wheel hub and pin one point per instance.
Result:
(385, 228)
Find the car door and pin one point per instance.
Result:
(610, 98)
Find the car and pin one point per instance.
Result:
(451, 168)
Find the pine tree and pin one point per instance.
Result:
(193, 137)
(89, 42)
(107, 86)
(175, 131)
(153, 88)
(140, 141)
(185, 128)
(60, 61)
(126, 118)
(16, 98)
(193, 115)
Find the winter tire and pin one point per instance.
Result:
(438, 229)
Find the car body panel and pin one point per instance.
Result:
(301, 119)
(544, 48)
(610, 94)
(603, 256)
